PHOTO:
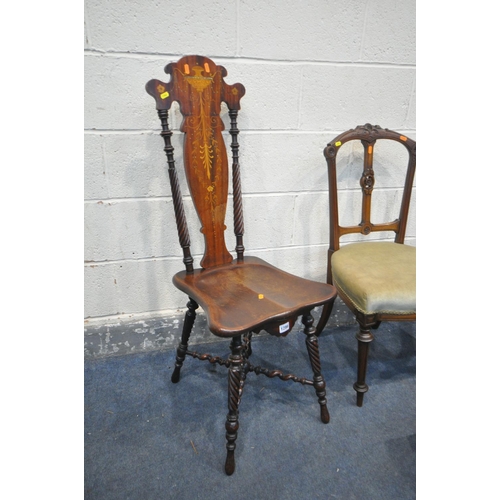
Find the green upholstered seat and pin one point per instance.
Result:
(378, 277)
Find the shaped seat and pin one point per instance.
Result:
(375, 279)
(245, 295)
(240, 295)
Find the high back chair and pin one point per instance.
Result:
(243, 295)
(375, 279)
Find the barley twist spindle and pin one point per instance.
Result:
(237, 199)
(180, 216)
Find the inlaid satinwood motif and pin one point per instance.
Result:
(204, 145)
(198, 86)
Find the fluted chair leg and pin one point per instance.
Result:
(364, 337)
(235, 388)
(313, 351)
(183, 345)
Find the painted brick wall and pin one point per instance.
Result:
(311, 69)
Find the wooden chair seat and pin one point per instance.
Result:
(251, 295)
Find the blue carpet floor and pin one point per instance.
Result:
(148, 439)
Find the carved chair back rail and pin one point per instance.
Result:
(368, 135)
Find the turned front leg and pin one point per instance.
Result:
(313, 350)
(364, 337)
(235, 387)
(183, 345)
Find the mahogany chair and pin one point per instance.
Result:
(243, 295)
(375, 279)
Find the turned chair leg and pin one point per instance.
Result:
(235, 388)
(364, 337)
(183, 344)
(313, 350)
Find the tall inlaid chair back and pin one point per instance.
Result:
(375, 279)
(240, 295)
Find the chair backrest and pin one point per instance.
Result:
(368, 135)
(197, 84)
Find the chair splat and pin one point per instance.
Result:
(197, 84)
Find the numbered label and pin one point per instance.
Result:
(284, 328)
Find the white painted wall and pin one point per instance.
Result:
(311, 70)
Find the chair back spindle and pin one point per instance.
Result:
(180, 216)
(237, 200)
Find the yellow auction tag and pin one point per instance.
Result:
(338, 143)
(164, 95)
(261, 296)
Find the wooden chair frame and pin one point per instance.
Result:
(368, 135)
(240, 296)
